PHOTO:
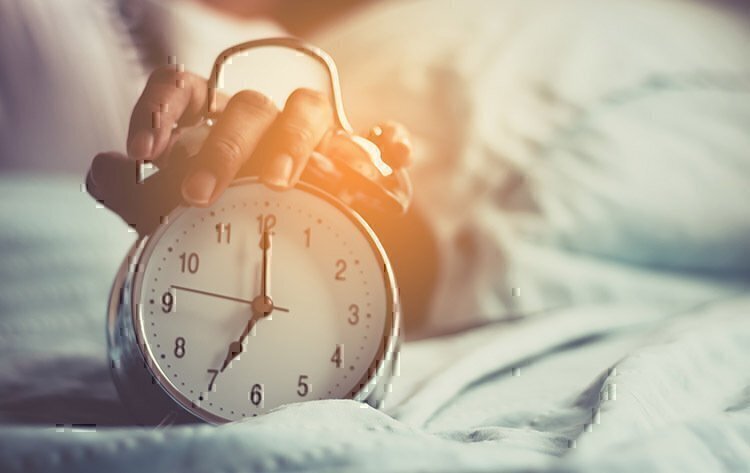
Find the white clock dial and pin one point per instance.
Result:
(329, 292)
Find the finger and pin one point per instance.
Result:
(247, 117)
(113, 180)
(171, 97)
(394, 142)
(306, 118)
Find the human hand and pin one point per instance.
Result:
(250, 137)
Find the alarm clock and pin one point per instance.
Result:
(266, 297)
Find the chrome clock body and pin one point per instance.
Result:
(160, 383)
(203, 330)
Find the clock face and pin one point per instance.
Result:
(263, 299)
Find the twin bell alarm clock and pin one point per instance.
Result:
(266, 297)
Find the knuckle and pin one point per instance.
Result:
(297, 139)
(159, 105)
(314, 97)
(157, 113)
(225, 155)
(253, 101)
(160, 74)
(170, 75)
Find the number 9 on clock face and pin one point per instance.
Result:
(263, 299)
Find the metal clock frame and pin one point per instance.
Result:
(148, 392)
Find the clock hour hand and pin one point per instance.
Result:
(235, 348)
(262, 307)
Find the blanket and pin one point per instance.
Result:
(585, 388)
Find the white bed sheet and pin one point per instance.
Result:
(617, 387)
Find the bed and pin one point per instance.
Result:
(590, 387)
(603, 264)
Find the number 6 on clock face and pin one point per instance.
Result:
(263, 299)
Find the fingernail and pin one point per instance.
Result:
(198, 188)
(90, 182)
(278, 172)
(142, 145)
(96, 170)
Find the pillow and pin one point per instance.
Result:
(567, 152)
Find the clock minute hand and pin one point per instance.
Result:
(265, 244)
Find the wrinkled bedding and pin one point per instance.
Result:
(609, 386)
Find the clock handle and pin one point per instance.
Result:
(334, 89)
(355, 171)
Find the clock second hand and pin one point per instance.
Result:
(222, 296)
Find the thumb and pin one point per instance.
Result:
(114, 181)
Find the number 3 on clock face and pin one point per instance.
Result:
(263, 299)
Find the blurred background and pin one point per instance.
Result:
(579, 150)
